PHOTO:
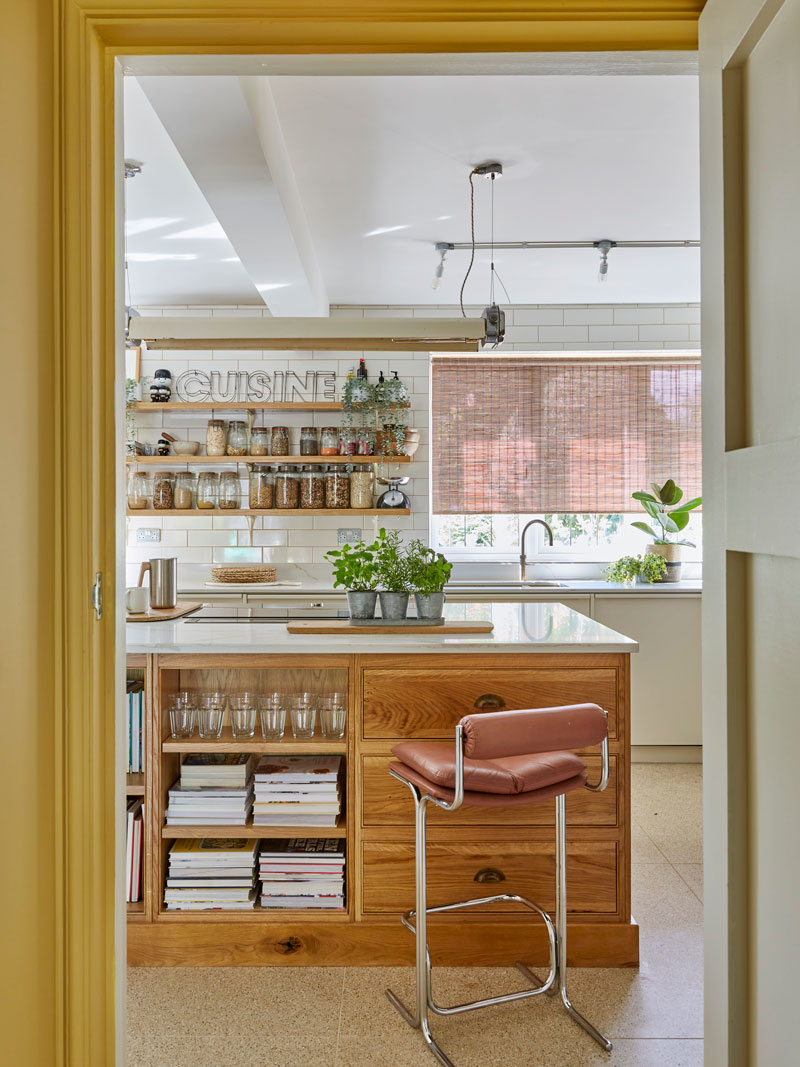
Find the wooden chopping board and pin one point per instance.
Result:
(344, 626)
(182, 607)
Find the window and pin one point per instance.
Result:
(567, 437)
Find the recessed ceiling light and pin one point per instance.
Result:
(211, 231)
(386, 229)
(152, 257)
(134, 226)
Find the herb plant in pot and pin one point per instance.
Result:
(429, 573)
(664, 506)
(355, 568)
(644, 570)
(393, 576)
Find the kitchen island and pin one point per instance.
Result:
(400, 687)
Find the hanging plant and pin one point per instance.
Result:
(131, 390)
(358, 400)
(393, 401)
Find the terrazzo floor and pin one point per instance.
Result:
(339, 1017)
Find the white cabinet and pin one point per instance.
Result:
(665, 672)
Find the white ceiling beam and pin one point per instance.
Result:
(222, 142)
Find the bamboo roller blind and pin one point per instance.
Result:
(565, 435)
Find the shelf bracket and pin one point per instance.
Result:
(251, 520)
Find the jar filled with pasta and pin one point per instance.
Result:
(216, 438)
(361, 487)
(163, 491)
(261, 487)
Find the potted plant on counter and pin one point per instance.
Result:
(393, 576)
(640, 569)
(355, 568)
(429, 573)
(664, 506)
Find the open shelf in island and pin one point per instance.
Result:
(248, 830)
(135, 911)
(134, 785)
(257, 915)
(228, 743)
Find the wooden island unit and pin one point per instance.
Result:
(398, 688)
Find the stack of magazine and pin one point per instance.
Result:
(214, 789)
(208, 874)
(297, 791)
(302, 873)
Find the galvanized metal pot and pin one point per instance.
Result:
(430, 606)
(362, 605)
(393, 606)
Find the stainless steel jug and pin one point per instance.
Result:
(163, 581)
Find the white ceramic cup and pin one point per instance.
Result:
(137, 599)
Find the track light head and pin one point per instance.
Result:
(604, 247)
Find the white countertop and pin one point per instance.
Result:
(526, 628)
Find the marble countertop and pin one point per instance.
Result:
(526, 628)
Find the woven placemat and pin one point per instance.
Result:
(244, 573)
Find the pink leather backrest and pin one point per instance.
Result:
(517, 733)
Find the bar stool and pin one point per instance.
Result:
(501, 759)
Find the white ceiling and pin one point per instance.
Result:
(585, 157)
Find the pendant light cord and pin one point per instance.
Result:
(472, 174)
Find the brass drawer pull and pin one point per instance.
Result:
(489, 700)
(489, 874)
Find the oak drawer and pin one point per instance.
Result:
(427, 703)
(462, 870)
(385, 801)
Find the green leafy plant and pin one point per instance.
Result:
(130, 413)
(650, 568)
(428, 571)
(355, 567)
(664, 507)
(393, 563)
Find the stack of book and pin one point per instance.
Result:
(133, 851)
(302, 873)
(207, 874)
(214, 789)
(297, 791)
(135, 691)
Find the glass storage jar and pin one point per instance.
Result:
(279, 443)
(261, 487)
(312, 487)
(237, 438)
(309, 441)
(259, 441)
(216, 438)
(163, 490)
(329, 445)
(287, 488)
(337, 488)
(139, 491)
(185, 488)
(207, 487)
(228, 491)
(364, 443)
(348, 442)
(361, 487)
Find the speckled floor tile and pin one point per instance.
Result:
(692, 874)
(667, 803)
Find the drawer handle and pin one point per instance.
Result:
(489, 700)
(489, 874)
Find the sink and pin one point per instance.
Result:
(507, 584)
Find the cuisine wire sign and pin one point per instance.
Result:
(258, 386)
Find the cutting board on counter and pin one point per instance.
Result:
(183, 607)
(345, 626)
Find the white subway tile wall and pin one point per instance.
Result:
(297, 543)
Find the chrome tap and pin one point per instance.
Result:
(522, 557)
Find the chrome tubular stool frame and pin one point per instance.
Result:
(556, 981)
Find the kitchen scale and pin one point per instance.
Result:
(394, 497)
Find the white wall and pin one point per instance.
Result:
(299, 541)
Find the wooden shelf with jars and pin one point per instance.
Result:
(166, 461)
(195, 512)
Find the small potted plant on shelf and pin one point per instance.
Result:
(640, 569)
(664, 506)
(429, 573)
(355, 568)
(393, 576)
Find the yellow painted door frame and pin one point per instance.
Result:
(60, 57)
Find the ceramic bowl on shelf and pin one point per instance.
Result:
(411, 442)
(185, 448)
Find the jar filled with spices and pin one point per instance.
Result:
(309, 441)
(279, 442)
(163, 490)
(329, 444)
(237, 438)
(348, 442)
(312, 487)
(361, 487)
(261, 487)
(184, 490)
(207, 485)
(216, 438)
(337, 488)
(228, 491)
(139, 491)
(259, 441)
(287, 488)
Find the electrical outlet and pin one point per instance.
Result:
(147, 534)
(347, 536)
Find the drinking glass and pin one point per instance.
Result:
(182, 711)
(332, 718)
(310, 700)
(243, 715)
(273, 720)
(211, 711)
(304, 718)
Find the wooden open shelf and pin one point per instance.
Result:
(195, 512)
(134, 785)
(248, 830)
(228, 743)
(166, 461)
(258, 915)
(240, 405)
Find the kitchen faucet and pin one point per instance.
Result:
(522, 557)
